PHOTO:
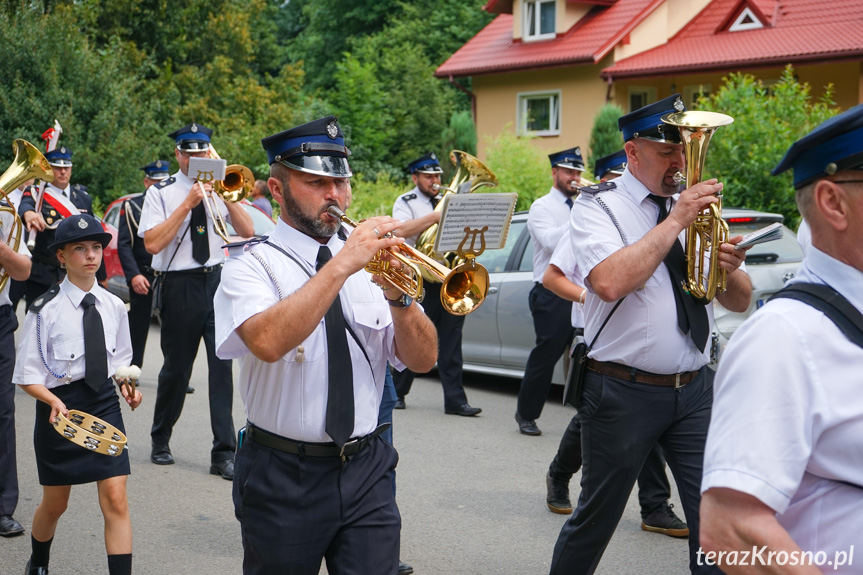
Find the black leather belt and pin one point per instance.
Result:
(621, 371)
(280, 443)
(201, 270)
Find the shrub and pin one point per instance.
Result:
(520, 167)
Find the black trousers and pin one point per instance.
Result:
(653, 487)
(139, 319)
(8, 465)
(553, 326)
(449, 361)
(621, 422)
(295, 511)
(187, 317)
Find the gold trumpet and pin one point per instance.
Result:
(236, 186)
(463, 289)
(704, 277)
(29, 163)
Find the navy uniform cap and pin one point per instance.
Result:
(59, 157)
(612, 163)
(79, 228)
(427, 164)
(647, 122)
(192, 138)
(158, 170)
(317, 147)
(835, 145)
(570, 158)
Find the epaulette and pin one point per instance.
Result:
(40, 301)
(166, 182)
(237, 248)
(80, 188)
(409, 197)
(596, 188)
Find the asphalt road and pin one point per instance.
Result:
(471, 492)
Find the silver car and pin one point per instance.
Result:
(499, 336)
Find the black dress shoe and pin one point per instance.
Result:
(161, 455)
(557, 495)
(224, 468)
(464, 409)
(35, 570)
(527, 426)
(190, 389)
(405, 569)
(400, 403)
(9, 527)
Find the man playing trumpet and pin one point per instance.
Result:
(313, 344)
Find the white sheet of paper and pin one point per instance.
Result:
(207, 169)
(475, 212)
(765, 234)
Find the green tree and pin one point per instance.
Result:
(520, 167)
(461, 133)
(605, 137)
(766, 122)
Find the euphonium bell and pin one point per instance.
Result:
(704, 277)
(29, 163)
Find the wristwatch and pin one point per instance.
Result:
(403, 301)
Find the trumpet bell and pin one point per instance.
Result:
(237, 184)
(465, 288)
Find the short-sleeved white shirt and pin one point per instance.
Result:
(643, 332)
(52, 340)
(289, 396)
(564, 259)
(787, 422)
(547, 222)
(411, 206)
(159, 203)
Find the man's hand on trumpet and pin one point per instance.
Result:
(365, 241)
(196, 193)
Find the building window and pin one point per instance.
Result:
(538, 21)
(746, 21)
(639, 97)
(691, 94)
(539, 113)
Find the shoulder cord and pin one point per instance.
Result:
(279, 290)
(130, 219)
(39, 343)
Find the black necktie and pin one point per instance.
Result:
(568, 202)
(200, 238)
(95, 354)
(340, 391)
(691, 315)
(434, 202)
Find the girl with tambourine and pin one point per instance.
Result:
(74, 338)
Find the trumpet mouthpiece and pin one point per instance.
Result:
(335, 212)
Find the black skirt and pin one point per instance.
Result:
(61, 462)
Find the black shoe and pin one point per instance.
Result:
(405, 569)
(557, 495)
(464, 409)
(400, 403)
(161, 455)
(224, 468)
(190, 389)
(664, 521)
(35, 570)
(527, 426)
(9, 527)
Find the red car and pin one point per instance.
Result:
(116, 278)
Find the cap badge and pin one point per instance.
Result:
(578, 150)
(62, 149)
(433, 157)
(82, 223)
(332, 130)
(194, 127)
(159, 163)
(678, 104)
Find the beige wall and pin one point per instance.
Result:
(582, 93)
(663, 23)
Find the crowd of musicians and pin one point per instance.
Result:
(765, 452)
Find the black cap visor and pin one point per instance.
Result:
(103, 238)
(193, 146)
(328, 166)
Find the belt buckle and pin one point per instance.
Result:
(677, 381)
(351, 442)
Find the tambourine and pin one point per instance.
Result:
(90, 432)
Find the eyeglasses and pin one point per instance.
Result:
(848, 182)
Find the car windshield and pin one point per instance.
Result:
(263, 224)
(784, 250)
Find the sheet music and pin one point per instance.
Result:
(766, 234)
(474, 211)
(207, 169)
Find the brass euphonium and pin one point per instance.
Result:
(704, 277)
(29, 163)
(464, 288)
(470, 175)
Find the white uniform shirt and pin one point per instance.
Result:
(787, 416)
(159, 203)
(411, 206)
(564, 259)
(547, 222)
(643, 332)
(289, 397)
(7, 225)
(53, 339)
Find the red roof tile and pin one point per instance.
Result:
(801, 31)
(493, 49)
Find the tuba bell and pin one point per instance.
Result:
(704, 278)
(29, 163)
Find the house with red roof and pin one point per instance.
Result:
(545, 67)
